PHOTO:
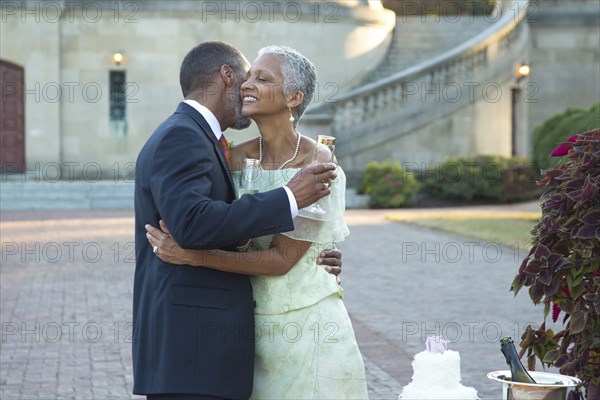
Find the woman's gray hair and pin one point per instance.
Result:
(299, 74)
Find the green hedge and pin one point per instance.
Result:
(548, 135)
(481, 178)
(389, 185)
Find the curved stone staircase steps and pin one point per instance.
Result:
(23, 194)
(417, 39)
(439, 107)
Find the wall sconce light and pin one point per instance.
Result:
(523, 71)
(117, 58)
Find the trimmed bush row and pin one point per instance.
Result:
(483, 178)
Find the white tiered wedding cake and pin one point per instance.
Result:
(436, 375)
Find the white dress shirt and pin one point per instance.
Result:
(216, 128)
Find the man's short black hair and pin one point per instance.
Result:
(201, 63)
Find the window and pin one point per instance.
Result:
(117, 103)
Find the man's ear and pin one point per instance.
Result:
(295, 99)
(227, 75)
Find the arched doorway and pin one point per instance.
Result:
(12, 118)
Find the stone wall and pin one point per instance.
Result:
(435, 128)
(418, 39)
(66, 50)
(457, 103)
(34, 43)
(565, 57)
(561, 45)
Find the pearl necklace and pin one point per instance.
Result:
(260, 151)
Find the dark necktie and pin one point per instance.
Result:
(225, 145)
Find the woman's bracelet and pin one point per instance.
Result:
(245, 246)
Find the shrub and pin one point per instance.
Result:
(389, 185)
(553, 131)
(481, 178)
(562, 269)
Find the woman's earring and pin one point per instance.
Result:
(292, 119)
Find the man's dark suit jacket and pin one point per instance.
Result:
(193, 327)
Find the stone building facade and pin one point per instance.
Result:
(69, 108)
(85, 113)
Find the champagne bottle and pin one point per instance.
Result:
(517, 371)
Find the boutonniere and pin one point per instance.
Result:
(229, 144)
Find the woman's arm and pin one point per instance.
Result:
(283, 254)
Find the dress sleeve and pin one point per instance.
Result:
(330, 228)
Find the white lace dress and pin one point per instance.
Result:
(305, 344)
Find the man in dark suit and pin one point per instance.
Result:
(193, 327)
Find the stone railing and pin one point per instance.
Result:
(368, 116)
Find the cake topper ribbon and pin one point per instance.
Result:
(435, 344)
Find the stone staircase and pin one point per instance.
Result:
(440, 52)
(440, 107)
(417, 39)
(16, 194)
(65, 195)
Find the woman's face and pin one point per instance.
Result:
(262, 93)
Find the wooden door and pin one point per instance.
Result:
(12, 118)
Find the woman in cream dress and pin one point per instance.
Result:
(305, 344)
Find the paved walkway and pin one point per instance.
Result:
(66, 283)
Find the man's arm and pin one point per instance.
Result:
(182, 175)
(183, 172)
(283, 254)
(276, 260)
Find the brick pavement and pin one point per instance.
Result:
(66, 288)
(66, 282)
(404, 283)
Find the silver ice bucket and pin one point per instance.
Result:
(548, 386)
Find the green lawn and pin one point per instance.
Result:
(503, 231)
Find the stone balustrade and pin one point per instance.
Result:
(378, 115)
